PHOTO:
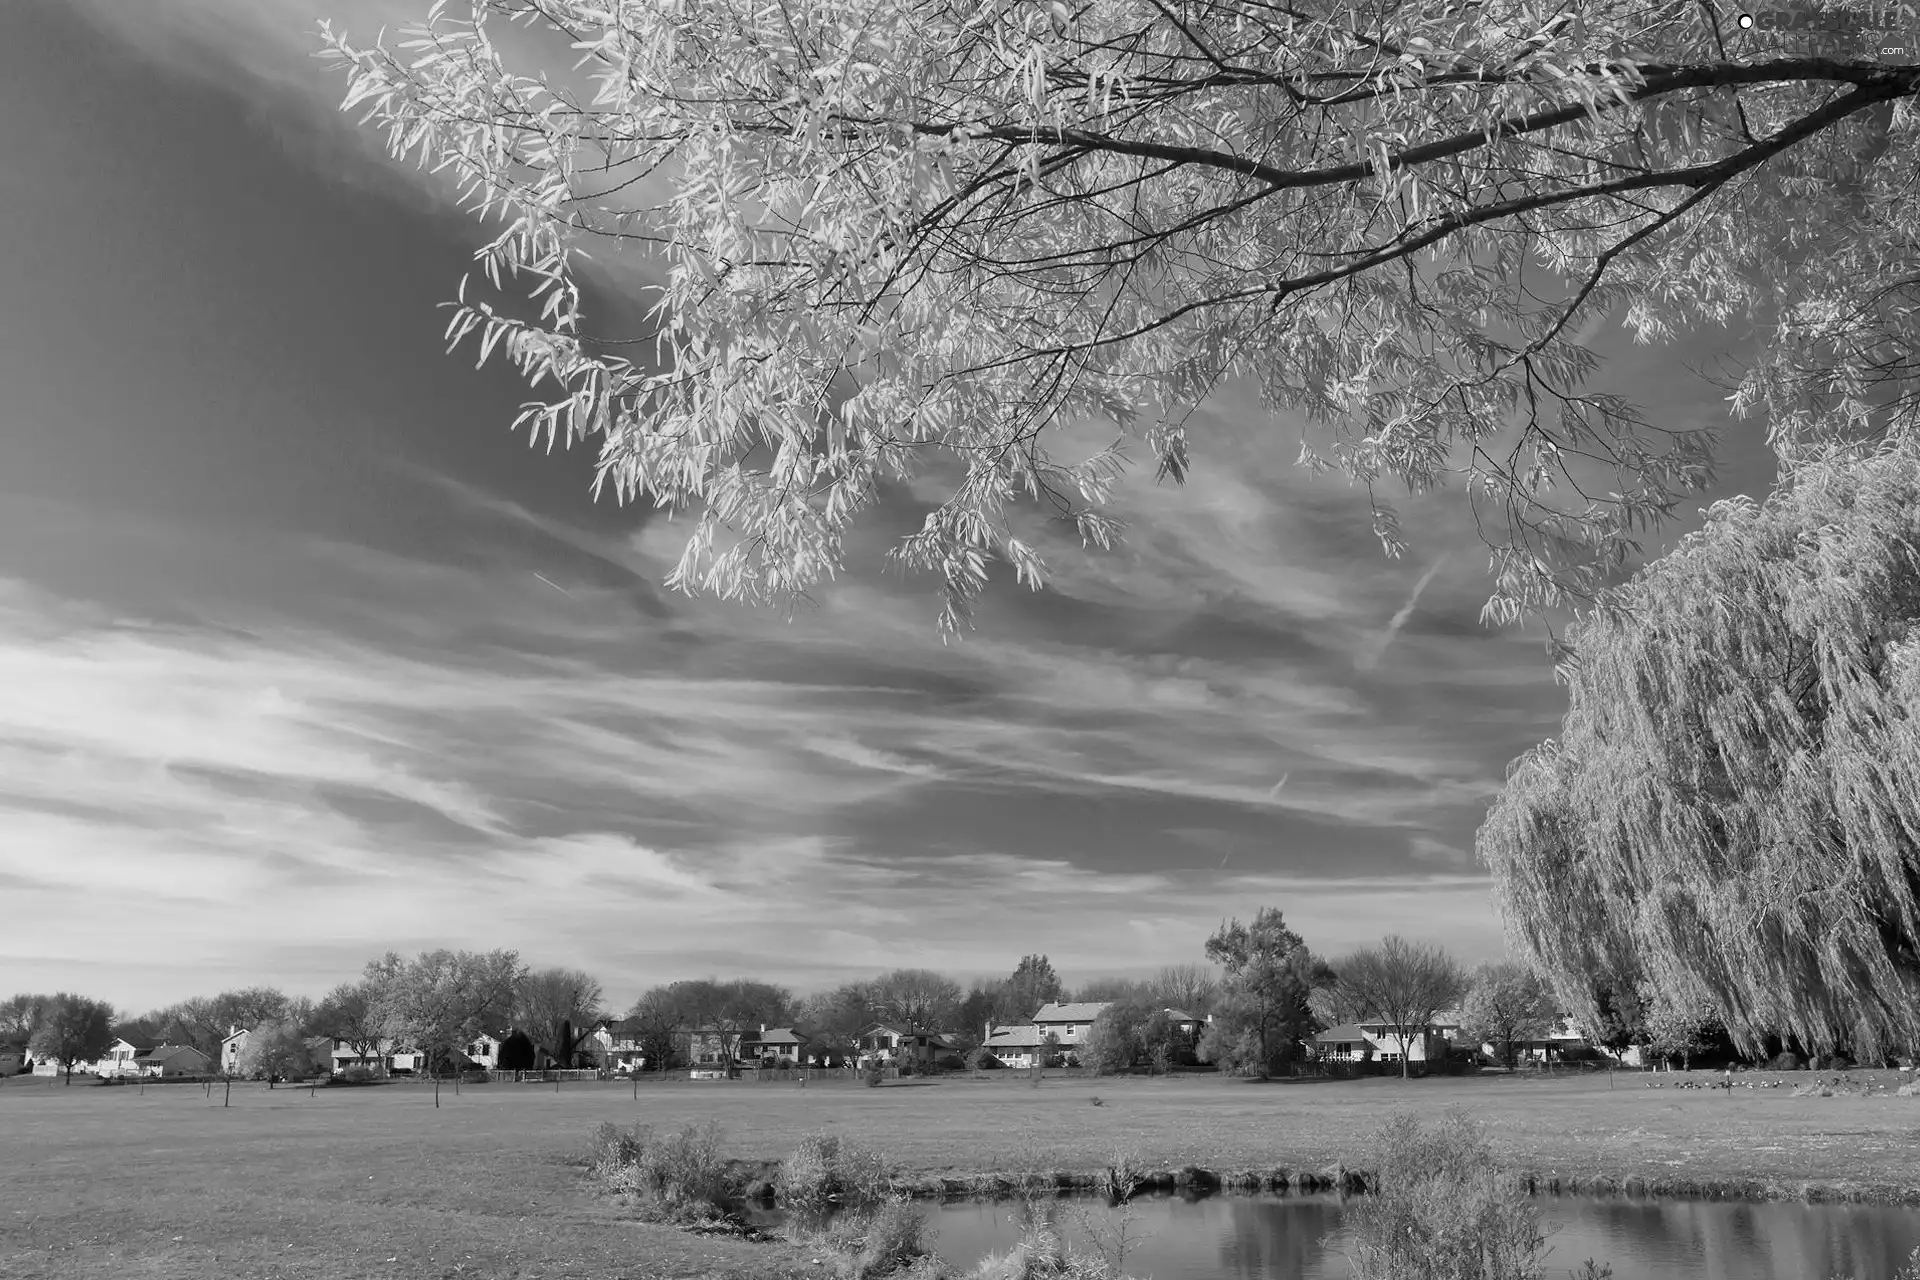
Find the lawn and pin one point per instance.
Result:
(378, 1182)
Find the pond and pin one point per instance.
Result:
(1279, 1237)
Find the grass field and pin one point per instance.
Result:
(377, 1182)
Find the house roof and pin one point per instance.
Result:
(1015, 1038)
(1347, 1033)
(782, 1035)
(1076, 1011)
(1180, 1015)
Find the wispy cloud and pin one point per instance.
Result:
(1371, 654)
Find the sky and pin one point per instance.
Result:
(304, 656)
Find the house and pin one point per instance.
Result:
(1186, 1024)
(776, 1046)
(170, 1060)
(343, 1056)
(13, 1061)
(1562, 1036)
(625, 1053)
(484, 1050)
(896, 1043)
(1070, 1022)
(1376, 1041)
(711, 1047)
(230, 1047)
(119, 1058)
(384, 1057)
(595, 1048)
(1016, 1046)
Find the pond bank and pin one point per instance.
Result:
(1341, 1178)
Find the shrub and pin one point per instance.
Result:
(613, 1148)
(982, 1059)
(1442, 1208)
(874, 1072)
(886, 1241)
(823, 1172)
(1041, 1254)
(1122, 1177)
(680, 1179)
(517, 1053)
(1785, 1062)
(356, 1075)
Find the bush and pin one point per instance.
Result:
(823, 1173)
(613, 1148)
(356, 1075)
(1441, 1207)
(1784, 1062)
(679, 1179)
(1041, 1254)
(983, 1060)
(889, 1240)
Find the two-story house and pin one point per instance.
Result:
(484, 1050)
(711, 1047)
(119, 1058)
(897, 1044)
(1069, 1023)
(1376, 1041)
(230, 1046)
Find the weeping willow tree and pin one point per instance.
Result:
(1733, 807)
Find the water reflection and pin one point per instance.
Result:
(1301, 1238)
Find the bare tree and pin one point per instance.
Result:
(249, 1007)
(1187, 986)
(351, 1014)
(1108, 990)
(656, 1022)
(1403, 984)
(920, 998)
(558, 1008)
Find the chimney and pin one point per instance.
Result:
(989, 1032)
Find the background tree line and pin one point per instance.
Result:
(1260, 997)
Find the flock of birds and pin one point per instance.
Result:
(1837, 1082)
